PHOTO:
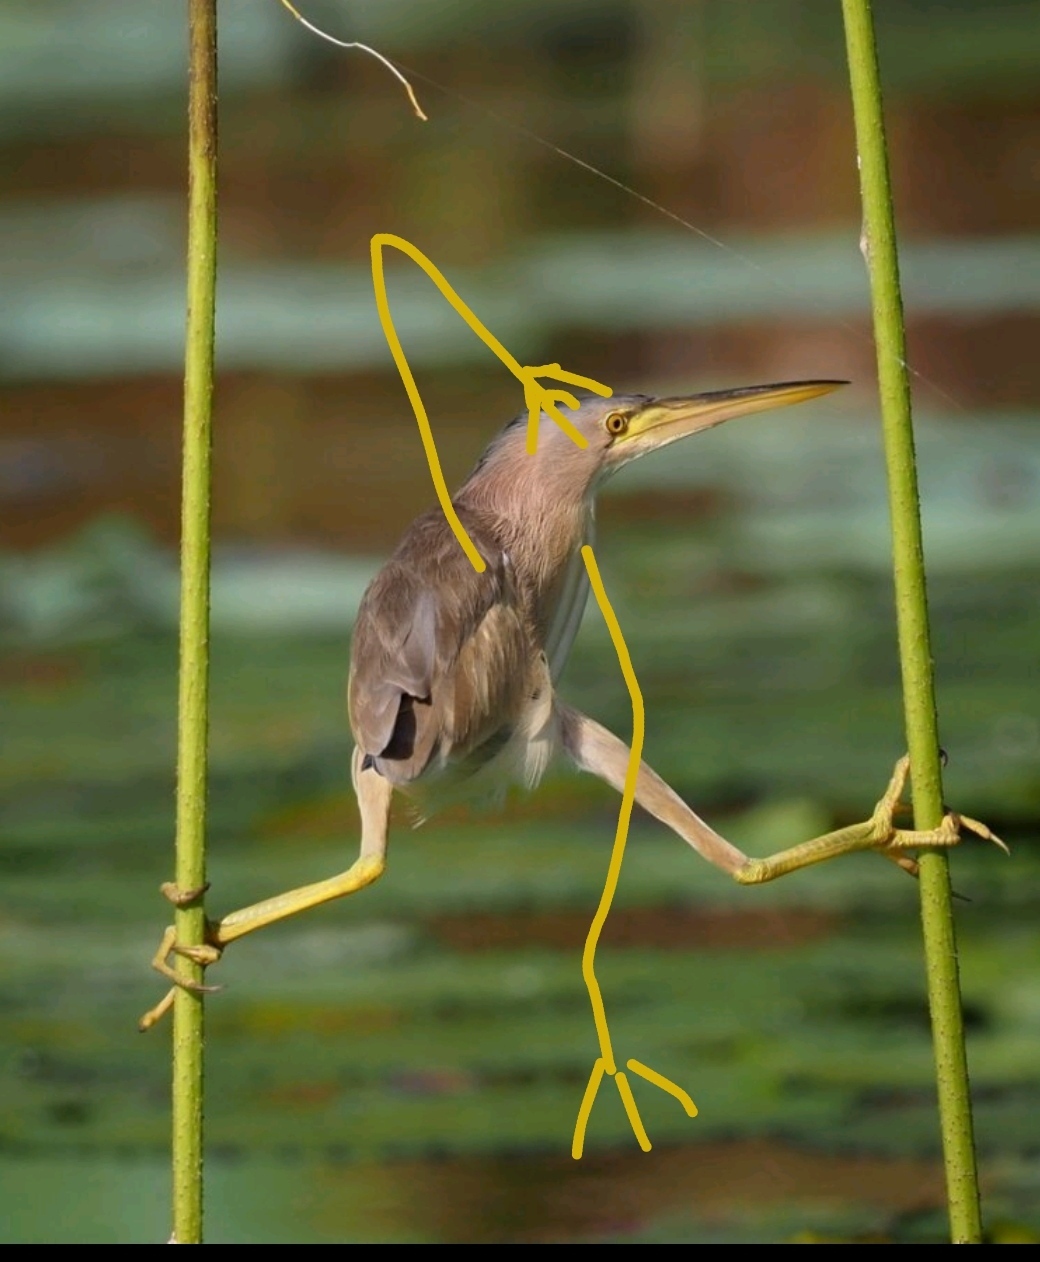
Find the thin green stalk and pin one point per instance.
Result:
(193, 699)
(912, 617)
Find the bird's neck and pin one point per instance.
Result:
(541, 529)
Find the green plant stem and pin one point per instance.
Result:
(912, 616)
(193, 699)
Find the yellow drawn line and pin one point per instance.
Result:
(628, 797)
(635, 1121)
(539, 399)
(666, 1084)
(585, 1109)
(588, 959)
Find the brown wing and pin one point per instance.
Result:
(440, 657)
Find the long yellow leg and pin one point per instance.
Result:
(593, 748)
(877, 833)
(373, 794)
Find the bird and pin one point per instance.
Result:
(454, 673)
(452, 691)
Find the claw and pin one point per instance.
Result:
(947, 834)
(205, 954)
(156, 1014)
(980, 830)
(179, 897)
(909, 866)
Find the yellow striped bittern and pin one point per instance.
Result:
(453, 674)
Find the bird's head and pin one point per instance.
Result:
(622, 428)
(616, 431)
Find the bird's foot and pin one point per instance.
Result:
(601, 1069)
(890, 840)
(205, 954)
(878, 833)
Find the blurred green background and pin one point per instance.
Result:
(406, 1066)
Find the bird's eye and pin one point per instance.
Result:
(616, 423)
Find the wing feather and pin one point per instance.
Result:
(440, 653)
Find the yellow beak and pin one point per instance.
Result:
(664, 421)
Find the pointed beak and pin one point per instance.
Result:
(664, 421)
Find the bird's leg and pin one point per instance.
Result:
(600, 752)
(877, 833)
(603, 754)
(373, 794)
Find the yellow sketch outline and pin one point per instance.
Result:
(606, 1063)
(538, 398)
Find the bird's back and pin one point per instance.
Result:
(443, 666)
